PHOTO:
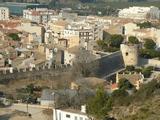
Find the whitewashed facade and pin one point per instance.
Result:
(39, 15)
(136, 12)
(70, 114)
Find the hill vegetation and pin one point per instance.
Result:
(127, 103)
(121, 4)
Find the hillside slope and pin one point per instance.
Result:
(143, 104)
(148, 110)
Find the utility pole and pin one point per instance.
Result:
(28, 97)
(27, 107)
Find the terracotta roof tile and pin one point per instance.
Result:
(133, 78)
(35, 13)
(114, 86)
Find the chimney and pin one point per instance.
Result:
(83, 108)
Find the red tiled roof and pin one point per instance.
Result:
(114, 86)
(35, 13)
(10, 24)
(133, 78)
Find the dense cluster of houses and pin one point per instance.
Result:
(49, 36)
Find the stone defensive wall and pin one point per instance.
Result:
(8, 74)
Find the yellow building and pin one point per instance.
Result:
(57, 26)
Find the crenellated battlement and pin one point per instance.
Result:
(23, 73)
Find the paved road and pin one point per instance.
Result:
(37, 113)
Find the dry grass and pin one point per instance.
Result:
(62, 81)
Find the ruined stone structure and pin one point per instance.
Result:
(130, 54)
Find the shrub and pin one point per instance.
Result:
(146, 91)
(149, 53)
(147, 71)
(145, 25)
(149, 44)
(133, 40)
(125, 84)
(14, 36)
(130, 68)
(116, 40)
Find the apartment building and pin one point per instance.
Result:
(72, 36)
(86, 34)
(58, 25)
(39, 15)
(57, 32)
(4, 13)
(82, 32)
(68, 15)
(131, 29)
(136, 12)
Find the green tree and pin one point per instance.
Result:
(101, 44)
(30, 88)
(149, 53)
(1, 104)
(130, 68)
(133, 40)
(115, 40)
(125, 84)
(14, 36)
(147, 90)
(120, 97)
(145, 25)
(147, 71)
(99, 105)
(149, 44)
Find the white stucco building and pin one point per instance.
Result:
(87, 33)
(70, 114)
(39, 15)
(129, 28)
(4, 13)
(136, 12)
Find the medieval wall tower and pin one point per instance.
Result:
(130, 54)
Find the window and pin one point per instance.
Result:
(75, 118)
(126, 53)
(80, 118)
(67, 116)
(59, 116)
